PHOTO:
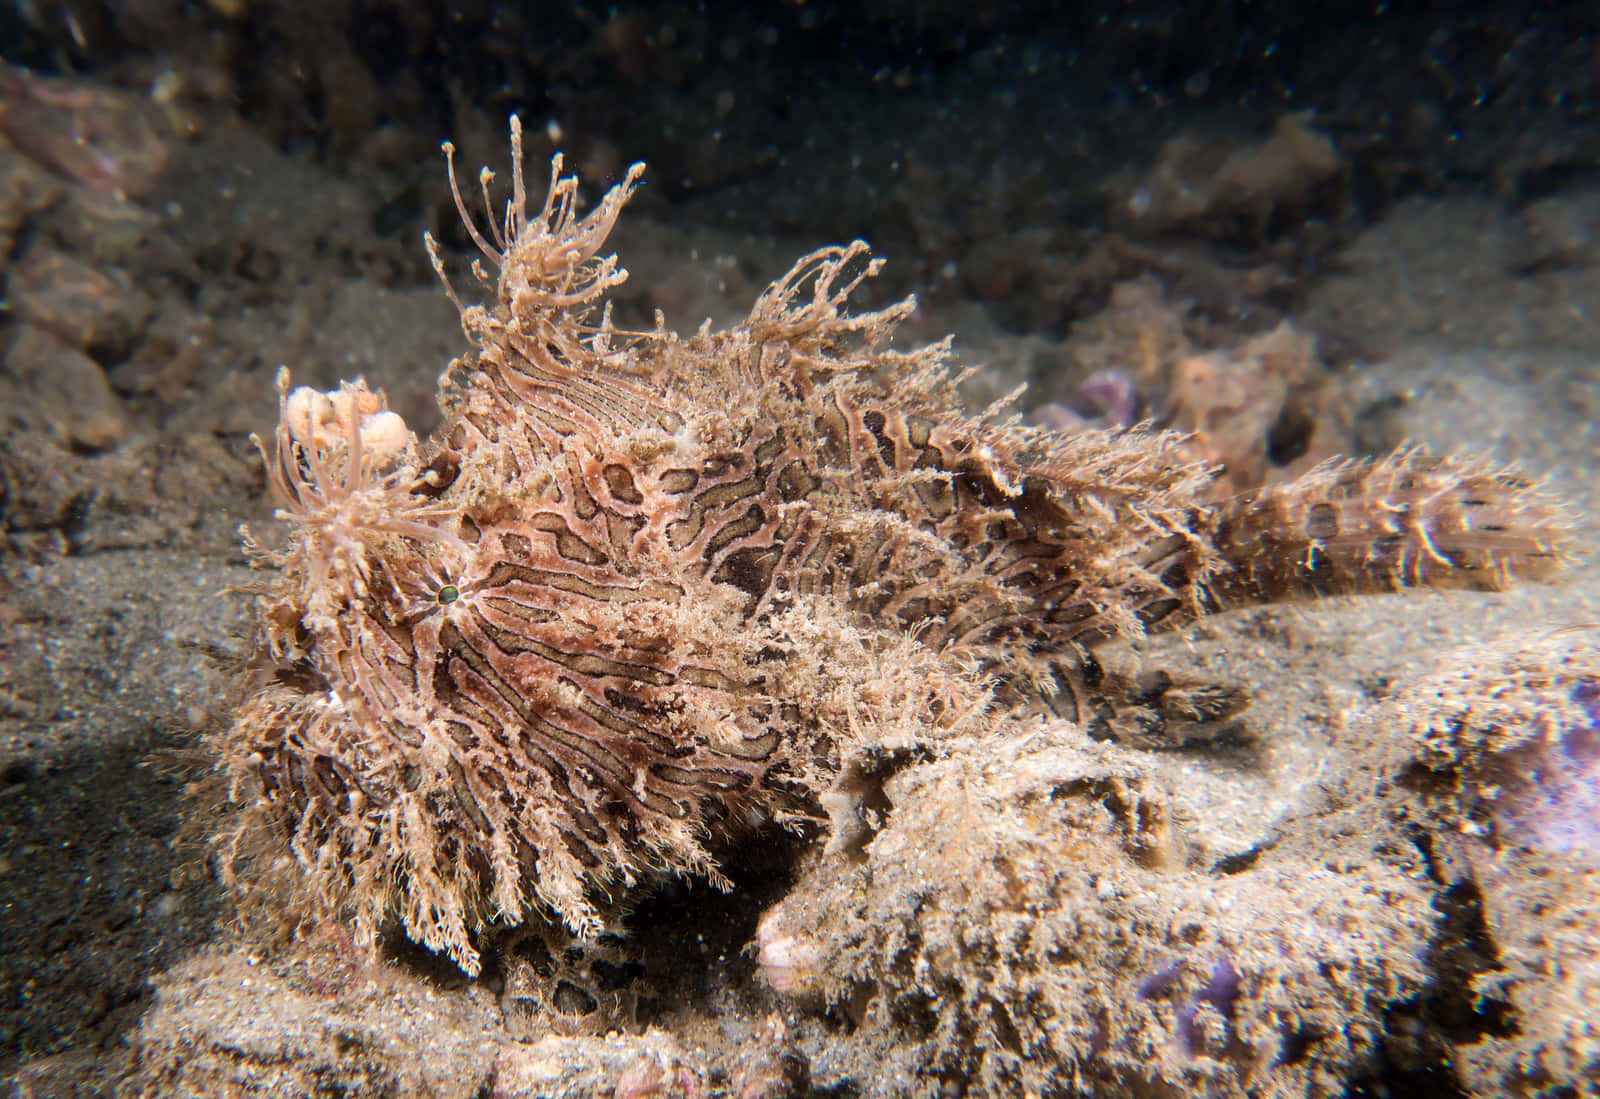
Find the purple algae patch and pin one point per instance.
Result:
(1161, 982)
(1221, 991)
(1550, 800)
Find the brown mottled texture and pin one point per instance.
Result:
(639, 589)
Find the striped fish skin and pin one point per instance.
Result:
(604, 619)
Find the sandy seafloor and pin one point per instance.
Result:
(121, 612)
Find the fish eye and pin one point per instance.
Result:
(448, 594)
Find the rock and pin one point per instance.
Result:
(52, 386)
(88, 309)
(1224, 185)
(99, 228)
(24, 189)
(1559, 231)
(651, 1066)
(230, 1023)
(101, 138)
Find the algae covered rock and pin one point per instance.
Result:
(1504, 750)
(1032, 921)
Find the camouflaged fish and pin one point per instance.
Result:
(557, 649)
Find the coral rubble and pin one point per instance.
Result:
(643, 592)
